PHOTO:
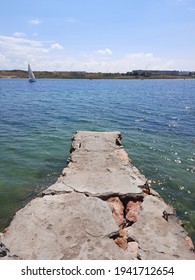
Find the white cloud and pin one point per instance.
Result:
(19, 34)
(106, 51)
(35, 21)
(56, 46)
(16, 52)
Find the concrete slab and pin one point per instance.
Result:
(101, 207)
(157, 237)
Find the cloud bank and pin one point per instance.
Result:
(16, 51)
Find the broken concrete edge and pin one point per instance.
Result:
(125, 208)
(131, 206)
(130, 215)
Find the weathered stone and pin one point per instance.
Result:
(158, 238)
(133, 249)
(57, 188)
(133, 211)
(121, 240)
(67, 226)
(189, 242)
(117, 210)
(100, 167)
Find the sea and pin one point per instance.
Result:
(156, 119)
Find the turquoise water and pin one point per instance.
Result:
(155, 117)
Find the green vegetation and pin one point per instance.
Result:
(136, 74)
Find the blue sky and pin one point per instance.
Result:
(97, 35)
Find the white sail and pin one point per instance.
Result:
(30, 74)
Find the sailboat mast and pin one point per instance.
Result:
(30, 74)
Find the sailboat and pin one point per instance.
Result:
(30, 74)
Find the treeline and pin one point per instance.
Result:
(136, 74)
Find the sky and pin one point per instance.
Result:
(97, 35)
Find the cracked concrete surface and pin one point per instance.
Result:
(101, 207)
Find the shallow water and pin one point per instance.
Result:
(155, 117)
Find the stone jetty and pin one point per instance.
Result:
(101, 207)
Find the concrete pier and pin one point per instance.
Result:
(101, 207)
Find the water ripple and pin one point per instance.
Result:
(156, 118)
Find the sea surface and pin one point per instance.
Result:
(156, 119)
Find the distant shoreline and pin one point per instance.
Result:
(137, 74)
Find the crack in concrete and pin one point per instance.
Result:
(104, 196)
